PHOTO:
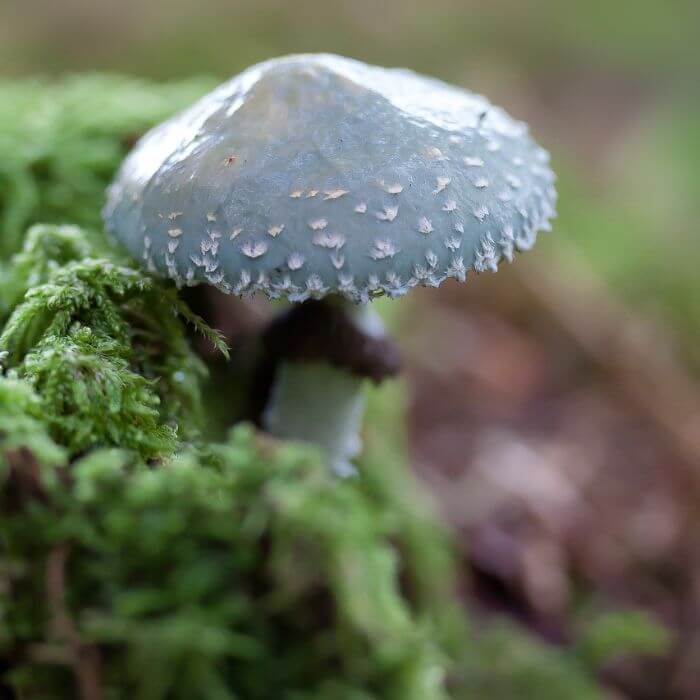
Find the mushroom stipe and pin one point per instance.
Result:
(342, 182)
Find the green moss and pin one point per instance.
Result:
(605, 638)
(102, 346)
(245, 569)
(508, 664)
(22, 427)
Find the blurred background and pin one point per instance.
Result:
(554, 408)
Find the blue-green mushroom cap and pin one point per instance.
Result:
(315, 174)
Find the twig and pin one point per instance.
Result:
(615, 339)
(85, 658)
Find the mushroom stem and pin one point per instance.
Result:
(320, 404)
(322, 352)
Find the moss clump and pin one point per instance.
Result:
(22, 429)
(102, 346)
(237, 571)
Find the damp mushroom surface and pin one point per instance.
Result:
(326, 181)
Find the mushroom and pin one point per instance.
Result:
(323, 180)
